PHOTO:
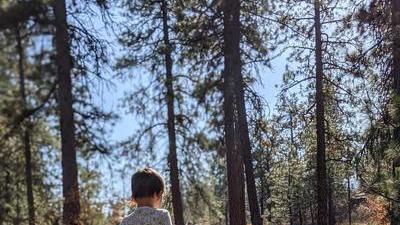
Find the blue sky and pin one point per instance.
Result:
(115, 183)
(125, 126)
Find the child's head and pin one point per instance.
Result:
(147, 188)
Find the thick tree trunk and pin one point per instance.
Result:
(172, 156)
(26, 131)
(237, 215)
(243, 129)
(245, 146)
(321, 163)
(395, 7)
(71, 208)
(242, 126)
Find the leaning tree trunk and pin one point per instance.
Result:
(26, 131)
(71, 208)
(172, 156)
(321, 163)
(237, 215)
(395, 8)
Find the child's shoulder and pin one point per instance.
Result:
(163, 211)
(147, 215)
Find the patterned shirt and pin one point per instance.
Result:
(147, 216)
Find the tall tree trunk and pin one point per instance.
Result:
(172, 156)
(26, 131)
(71, 206)
(243, 129)
(321, 163)
(289, 194)
(395, 7)
(231, 34)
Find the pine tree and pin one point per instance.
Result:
(319, 95)
(71, 209)
(26, 139)
(167, 86)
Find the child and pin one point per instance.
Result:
(147, 194)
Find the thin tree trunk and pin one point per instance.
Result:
(349, 199)
(300, 216)
(291, 219)
(17, 219)
(321, 163)
(172, 156)
(26, 131)
(268, 189)
(395, 7)
(71, 206)
(237, 215)
(262, 194)
(331, 204)
(312, 213)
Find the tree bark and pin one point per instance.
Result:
(172, 156)
(245, 146)
(71, 208)
(320, 157)
(232, 66)
(242, 125)
(26, 130)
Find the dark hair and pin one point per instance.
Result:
(146, 182)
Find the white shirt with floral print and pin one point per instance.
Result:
(147, 216)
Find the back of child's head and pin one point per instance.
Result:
(146, 182)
